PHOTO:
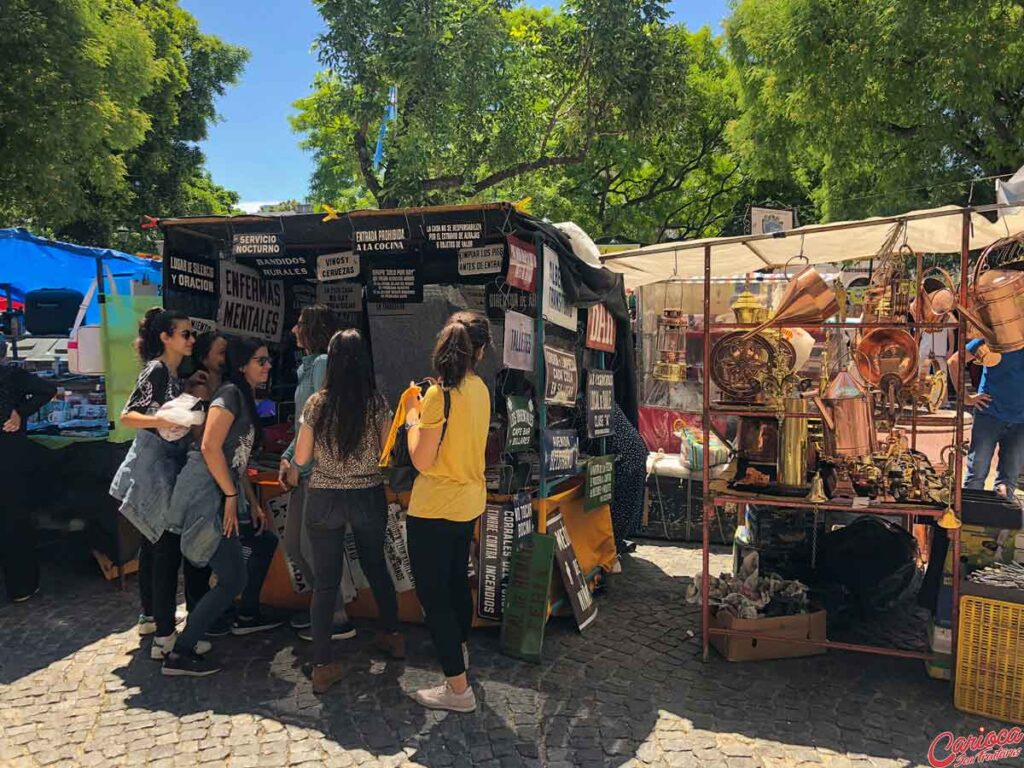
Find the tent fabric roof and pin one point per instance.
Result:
(939, 230)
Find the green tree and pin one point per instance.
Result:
(601, 112)
(101, 106)
(879, 105)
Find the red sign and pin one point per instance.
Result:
(600, 329)
(522, 264)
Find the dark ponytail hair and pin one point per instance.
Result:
(458, 345)
(240, 352)
(350, 400)
(149, 345)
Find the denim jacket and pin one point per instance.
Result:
(312, 372)
(198, 503)
(145, 482)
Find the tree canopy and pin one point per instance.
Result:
(879, 105)
(101, 104)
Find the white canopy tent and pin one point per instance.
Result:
(939, 230)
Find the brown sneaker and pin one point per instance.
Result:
(326, 675)
(391, 643)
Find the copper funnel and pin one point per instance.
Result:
(808, 299)
(886, 351)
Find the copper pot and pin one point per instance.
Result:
(997, 301)
(808, 299)
(884, 352)
(848, 415)
(932, 306)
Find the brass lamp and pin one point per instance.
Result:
(671, 365)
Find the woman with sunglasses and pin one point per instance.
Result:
(214, 498)
(313, 333)
(145, 480)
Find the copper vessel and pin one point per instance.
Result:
(792, 461)
(932, 306)
(808, 299)
(848, 415)
(998, 308)
(886, 352)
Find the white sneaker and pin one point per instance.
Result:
(443, 697)
(164, 645)
(146, 625)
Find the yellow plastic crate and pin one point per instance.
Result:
(990, 659)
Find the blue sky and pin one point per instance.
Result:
(253, 149)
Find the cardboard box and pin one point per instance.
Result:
(807, 626)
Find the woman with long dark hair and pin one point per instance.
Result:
(210, 356)
(447, 442)
(213, 498)
(343, 428)
(145, 480)
(313, 332)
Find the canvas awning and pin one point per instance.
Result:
(939, 230)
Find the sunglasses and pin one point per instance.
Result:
(261, 361)
(186, 335)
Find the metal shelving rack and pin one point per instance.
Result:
(713, 500)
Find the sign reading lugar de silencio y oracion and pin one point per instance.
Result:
(249, 305)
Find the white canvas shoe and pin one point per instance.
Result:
(443, 697)
(164, 645)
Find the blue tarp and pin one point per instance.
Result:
(28, 262)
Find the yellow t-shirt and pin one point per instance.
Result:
(454, 487)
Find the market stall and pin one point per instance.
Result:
(70, 312)
(562, 351)
(833, 466)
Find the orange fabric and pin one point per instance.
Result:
(410, 395)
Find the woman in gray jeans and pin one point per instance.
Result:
(312, 333)
(342, 430)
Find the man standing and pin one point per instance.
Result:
(998, 417)
(21, 395)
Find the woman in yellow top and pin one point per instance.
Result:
(448, 496)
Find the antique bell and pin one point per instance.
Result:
(817, 492)
(949, 520)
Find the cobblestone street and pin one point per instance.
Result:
(75, 689)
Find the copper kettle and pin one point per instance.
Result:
(848, 414)
(932, 306)
(807, 299)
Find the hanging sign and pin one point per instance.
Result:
(557, 308)
(600, 329)
(584, 609)
(192, 275)
(502, 298)
(485, 260)
(560, 452)
(337, 266)
(502, 527)
(379, 234)
(599, 484)
(600, 396)
(250, 244)
(282, 267)
(341, 296)
(249, 305)
(517, 349)
(521, 422)
(455, 235)
(201, 325)
(395, 279)
(522, 264)
(396, 550)
(525, 613)
(561, 376)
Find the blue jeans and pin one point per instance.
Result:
(986, 434)
(228, 565)
(258, 550)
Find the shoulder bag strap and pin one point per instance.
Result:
(447, 410)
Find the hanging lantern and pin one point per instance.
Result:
(671, 365)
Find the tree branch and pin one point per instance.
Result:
(366, 163)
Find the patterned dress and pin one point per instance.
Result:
(630, 473)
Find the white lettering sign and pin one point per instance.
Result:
(517, 351)
(485, 260)
(557, 308)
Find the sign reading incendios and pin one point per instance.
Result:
(521, 422)
(599, 483)
(600, 395)
(249, 305)
(502, 527)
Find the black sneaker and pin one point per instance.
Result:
(188, 665)
(247, 626)
(300, 620)
(344, 631)
(221, 627)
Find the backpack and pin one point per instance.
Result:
(403, 473)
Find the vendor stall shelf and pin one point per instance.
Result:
(715, 498)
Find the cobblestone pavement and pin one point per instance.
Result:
(75, 689)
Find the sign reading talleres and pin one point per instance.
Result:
(517, 351)
(249, 305)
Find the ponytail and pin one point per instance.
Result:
(458, 346)
(156, 321)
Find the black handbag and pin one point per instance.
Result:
(403, 473)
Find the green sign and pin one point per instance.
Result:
(526, 598)
(521, 421)
(599, 482)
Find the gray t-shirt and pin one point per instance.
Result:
(241, 436)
